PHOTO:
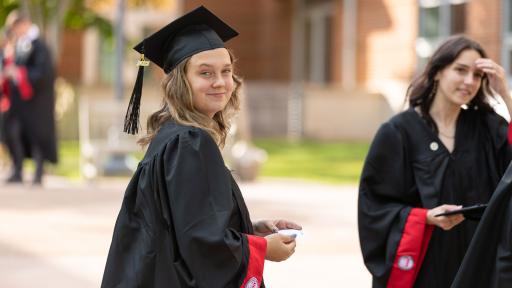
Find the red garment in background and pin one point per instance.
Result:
(24, 86)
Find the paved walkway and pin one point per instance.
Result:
(58, 236)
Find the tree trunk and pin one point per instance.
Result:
(55, 27)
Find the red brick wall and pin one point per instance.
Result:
(386, 35)
(387, 31)
(483, 24)
(386, 39)
(70, 60)
(337, 43)
(263, 47)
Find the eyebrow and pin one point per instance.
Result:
(462, 64)
(468, 67)
(209, 65)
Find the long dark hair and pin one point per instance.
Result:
(421, 91)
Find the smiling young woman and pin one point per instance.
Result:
(183, 221)
(448, 150)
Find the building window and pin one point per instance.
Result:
(438, 20)
(458, 18)
(317, 37)
(430, 27)
(507, 38)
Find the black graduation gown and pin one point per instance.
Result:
(183, 221)
(488, 262)
(37, 114)
(404, 170)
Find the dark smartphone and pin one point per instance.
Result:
(474, 210)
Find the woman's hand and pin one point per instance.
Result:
(267, 227)
(279, 247)
(444, 222)
(497, 78)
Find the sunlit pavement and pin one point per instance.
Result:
(58, 236)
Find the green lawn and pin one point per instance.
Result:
(334, 162)
(69, 160)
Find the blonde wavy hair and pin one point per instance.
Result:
(177, 105)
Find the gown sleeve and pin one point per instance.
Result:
(488, 261)
(37, 66)
(24, 86)
(4, 95)
(393, 232)
(502, 273)
(21, 81)
(201, 202)
(500, 132)
(510, 133)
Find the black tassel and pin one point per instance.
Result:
(131, 120)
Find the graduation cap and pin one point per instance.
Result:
(197, 31)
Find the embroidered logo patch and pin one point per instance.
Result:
(252, 283)
(405, 263)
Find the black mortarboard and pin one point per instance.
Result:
(197, 31)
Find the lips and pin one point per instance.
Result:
(221, 94)
(464, 91)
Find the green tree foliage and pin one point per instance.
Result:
(52, 16)
(80, 17)
(6, 6)
(75, 14)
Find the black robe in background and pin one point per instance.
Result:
(183, 219)
(36, 115)
(488, 262)
(404, 169)
(2, 60)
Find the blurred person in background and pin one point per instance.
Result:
(448, 150)
(6, 55)
(28, 78)
(183, 221)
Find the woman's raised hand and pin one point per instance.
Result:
(496, 75)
